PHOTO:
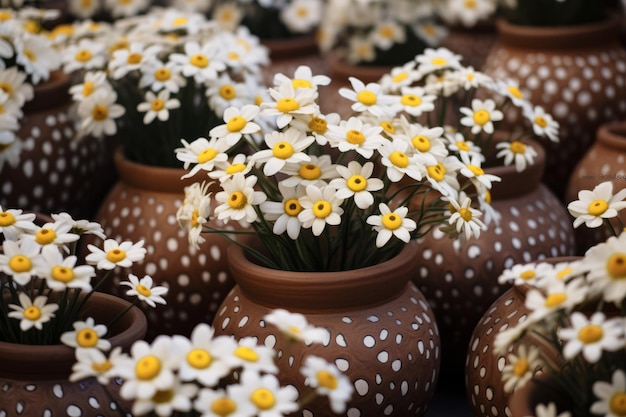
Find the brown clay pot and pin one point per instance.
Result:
(534, 225)
(483, 368)
(604, 161)
(539, 390)
(56, 171)
(576, 73)
(142, 206)
(383, 335)
(34, 379)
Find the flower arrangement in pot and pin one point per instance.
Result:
(572, 341)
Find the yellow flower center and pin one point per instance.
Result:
(541, 121)
(327, 380)
(83, 55)
(87, 337)
(357, 183)
(227, 92)
(527, 274)
(597, 207)
(439, 61)
(399, 159)
(517, 147)
(295, 330)
(157, 104)
(32, 313)
(556, 299)
(20, 263)
(310, 171)
(590, 333)
(421, 143)
(388, 127)
(234, 168)
(30, 55)
(300, 83)
(5, 15)
(194, 218)
(6, 219)
(355, 137)
(436, 172)
(233, 56)
(99, 112)
(116, 255)
(62, 274)
(207, 155)
(616, 265)
(515, 92)
(564, 272)
(7, 88)
(143, 290)
(400, 77)
(199, 359)
(287, 105)
(283, 150)
(521, 367)
(235, 124)
(481, 117)
(391, 221)
(223, 407)
(199, 60)
(148, 367)
(463, 146)
(318, 125)
(292, 207)
(411, 100)
(237, 200)
(162, 74)
(180, 21)
(487, 196)
(45, 236)
(366, 97)
(322, 209)
(101, 367)
(163, 396)
(88, 88)
(247, 354)
(134, 58)
(263, 399)
(617, 404)
(476, 170)
(466, 214)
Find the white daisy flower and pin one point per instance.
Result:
(249, 355)
(132, 58)
(57, 234)
(320, 206)
(430, 32)
(174, 400)
(37, 56)
(98, 113)
(295, 326)
(391, 223)
(224, 92)
(543, 123)
(611, 396)
(369, 98)
(302, 78)
(606, 266)
(472, 169)
(327, 381)
(468, 13)
(290, 102)
(195, 212)
(86, 335)
(204, 153)
(227, 15)
(92, 82)
(10, 150)
(87, 54)
(443, 176)
(511, 89)
(302, 16)
(399, 77)
(550, 410)
(528, 273)
(415, 101)
(14, 84)
(157, 106)
(224, 170)
(238, 200)
(395, 155)
(317, 171)
(519, 153)
(14, 222)
(285, 213)
(126, 8)
(591, 336)
(265, 394)
(238, 123)
(592, 207)
(318, 125)
(20, 260)
(469, 78)
(144, 291)
(387, 33)
(115, 254)
(356, 135)
(161, 76)
(361, 49)
(283, 147)
(437, 59)
(80, 227)
(62, 273)
(217, 402)
(199, 61)
(32, 313)
(459, 144)
(520, 367)
(83, 9)
(93, 363)
(481, 116)
(465, 218)
(357, 182)
(557, 295)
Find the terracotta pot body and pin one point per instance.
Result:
(34, 379)
(483, 368)
(142, 206)
(576, 73)
(383, 335)
(539, 390)
(56, 171)
(533, 225)
(604, 161)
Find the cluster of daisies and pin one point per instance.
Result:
(45, 284)
(367, 30)
(159, 77)
(208, 375)
(27, 57)
(576, 308)
(313, 187)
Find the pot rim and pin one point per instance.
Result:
(613, 134)
(318, 291)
